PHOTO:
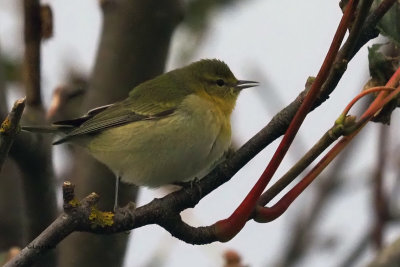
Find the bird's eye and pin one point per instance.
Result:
(220, 82)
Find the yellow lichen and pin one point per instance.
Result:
(74, 202)
(101, 218)
(5, 126)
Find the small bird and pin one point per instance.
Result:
(173, 128)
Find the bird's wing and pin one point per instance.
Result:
(76, 122)
(115, 115)
(145, 102)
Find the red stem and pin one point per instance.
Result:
(377, 102)
(228, 228)
(266, 214)
(364, 93)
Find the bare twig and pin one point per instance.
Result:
(9, 129)
(369, 28)
(52, 235)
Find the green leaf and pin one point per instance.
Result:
(389, 25)
(381, 67)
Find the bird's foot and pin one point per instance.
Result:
(190, 184)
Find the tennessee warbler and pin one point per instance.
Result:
(172, 128)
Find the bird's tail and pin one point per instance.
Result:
(45, 129)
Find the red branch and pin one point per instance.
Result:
(266, 214)
(364, 93)
(228, 228)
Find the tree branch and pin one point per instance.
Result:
(345, 54)
(32, 38)
(9, 129)
(57, 231)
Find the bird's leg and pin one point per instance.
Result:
(195, 182)
(190, 184)
(117, 179)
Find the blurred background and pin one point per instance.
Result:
(99, 50)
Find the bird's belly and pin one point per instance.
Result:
(158, 152)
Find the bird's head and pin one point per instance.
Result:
(214, 78)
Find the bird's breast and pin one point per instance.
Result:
(178, 147)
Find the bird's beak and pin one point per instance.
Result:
(245, 84)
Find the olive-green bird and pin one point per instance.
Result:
(172, 128)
